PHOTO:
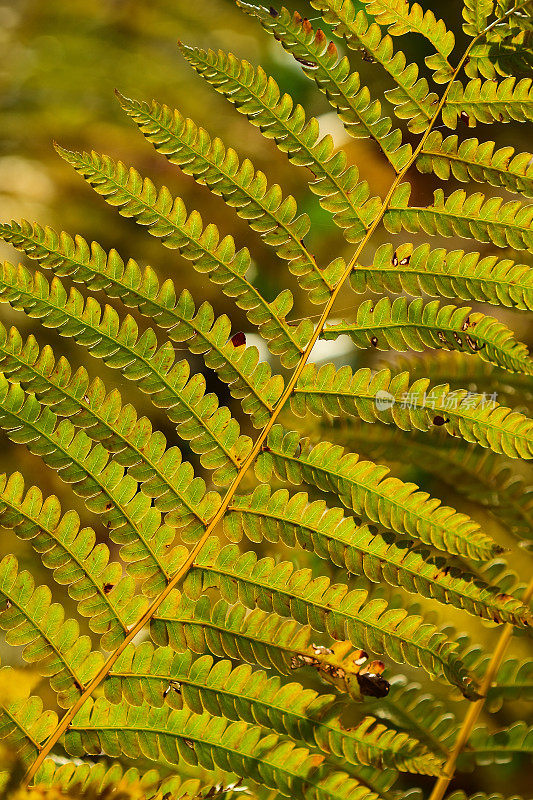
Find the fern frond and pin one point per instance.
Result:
(25, 726)
(478, 475)
(393, 399)
(132, 521)
(231, 631)
(485, 747)
(320, 61)
(210, 429)
(160, 470)
(413, 709)
(249, 380)
(476, 14)
(446, 273)
(293, 519)
(401, 18)
(512, 388)
(257, 95)
(505, 224)
(160, 733)
(481, 796)
(402, 326)
(145, 673)
(52, 644)
(240, 185)
(513, 681)
(102, 593)
(97, 781)
(477, 161)
(167, 219)
(489, 101)
(331, 609)
(411, 97)
(364, 487)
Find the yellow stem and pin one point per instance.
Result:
(476, 708)
(139, 625)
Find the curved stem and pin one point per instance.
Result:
(476, 708)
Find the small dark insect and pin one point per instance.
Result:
(374, 341)
(366, 56)
(395, 260)
(107, 587)
(238, 339)
(438, 420)
(371, 685)
(273, 12)
(465, 117)
(359, 657)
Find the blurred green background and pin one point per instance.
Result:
(60, 61)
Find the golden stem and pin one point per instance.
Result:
(476, 708)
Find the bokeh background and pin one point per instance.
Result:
(60, 61)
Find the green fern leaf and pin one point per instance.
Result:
(293, 520)
(257, 95)
(472, 160)
(485, 747)
(365, 488)
(167, 219)
(145, 673)
(402, 18)
(24, 726)
(320, 61)
(160, 470)
(264, 208)
(469, 216)
(209, 741)
(513, 681)
(256, 637)
(211, 430)
(489, 101)
(133, 523)
(417, 405)
(98, 781)
(478, 475)
(423, 714)
(400, 325)
(411, 97)
(327, 608)
(476, 14)
(512, 388)
(249, 381)
(51, 643)
(446, 273)
(97, 584)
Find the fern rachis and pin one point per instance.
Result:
(166, 519)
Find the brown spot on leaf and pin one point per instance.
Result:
(372, 685)
(306, 25)
(438, 420)
(273, 12)
(332, 49)
(441, 336)
(395, 260)
(405, 261)
(465, 117)
(465, 324)
(320, 36)
(107, 587)
(238, 339)
(374, 341)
